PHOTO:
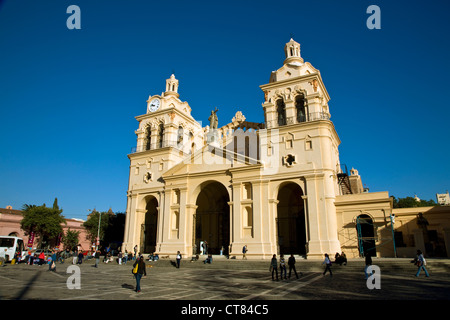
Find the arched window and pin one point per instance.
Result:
(180, 137)
(148, 138)
(281, 111)
(161, 135)
(300, 106)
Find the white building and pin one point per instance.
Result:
(277, 186)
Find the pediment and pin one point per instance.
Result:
(210, 159)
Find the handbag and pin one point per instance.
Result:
(135, 269)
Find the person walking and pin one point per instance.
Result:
(368, 260)
(80, 257)
(244, 252)
(282, 267)
(274, 266)
(205, 247)
(291, 264)
(327, 263)
(178, 259)
(52, 262)
(140, 272)
(421, 263)
(97, 258)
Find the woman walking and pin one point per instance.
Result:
(140, 271)
(421, 263)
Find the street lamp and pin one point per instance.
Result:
(392, 216)
(98, 231)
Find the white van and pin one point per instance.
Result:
(9, 246)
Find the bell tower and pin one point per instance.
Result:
(295, 92)
(296, 108)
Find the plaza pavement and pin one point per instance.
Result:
(227, 280)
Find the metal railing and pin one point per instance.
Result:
(314, 116)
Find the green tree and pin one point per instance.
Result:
(70, 238)
(410, 202)
(91, 224)
(45, 222)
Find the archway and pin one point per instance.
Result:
(212, 218)
(291, 220)
(366, 235)
(150, 226)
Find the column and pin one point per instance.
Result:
(127, 243)
(190, 229)
(161, 236)
(236, 219)
(273, 226)
(290, 111)
(314, 244)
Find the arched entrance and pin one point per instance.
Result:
(366, 235)
(291, 220)
(150, 226)
(212, 218)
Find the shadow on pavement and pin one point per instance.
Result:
(28, 286)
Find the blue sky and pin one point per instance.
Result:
(68, 98)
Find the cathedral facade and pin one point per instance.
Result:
(276, 187)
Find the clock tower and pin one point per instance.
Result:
(167, 134)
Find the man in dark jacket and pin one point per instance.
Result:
(291, 264)
(274, 266)
(97, 257)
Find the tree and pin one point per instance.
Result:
(46, 223)
(91, 224)
(71, 238)
(410, 202)
(111, 229)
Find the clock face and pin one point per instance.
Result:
(154, 105)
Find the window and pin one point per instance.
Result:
(161, 135)
(6, 242)
(290, 160)
(148, 138)
(281, 111)
(301, 108)
(180, 137)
